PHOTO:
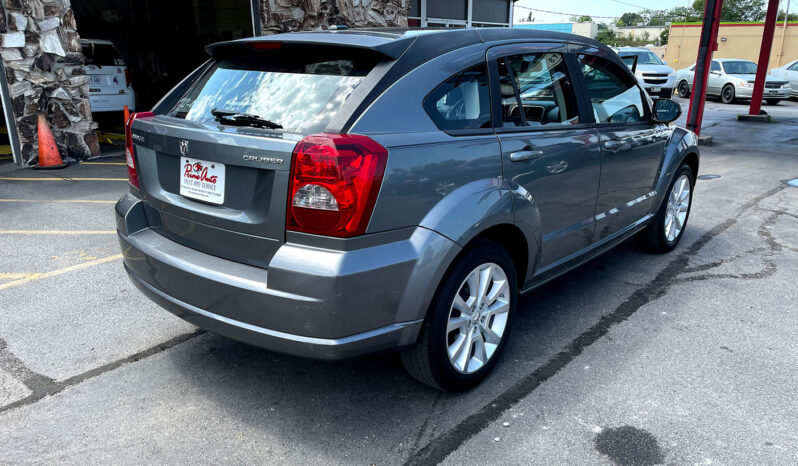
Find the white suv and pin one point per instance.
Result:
(109, 82)
(657, 78)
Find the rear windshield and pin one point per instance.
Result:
(300, 93)
(101, 55)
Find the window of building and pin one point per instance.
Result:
(450, 9)
(537, 83)
(462, 101)
(491, 11)
(613, 91)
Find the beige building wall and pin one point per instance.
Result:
(742, 40)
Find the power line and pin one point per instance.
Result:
(563, 14)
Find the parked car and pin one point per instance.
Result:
(732, 79)
(788, 72)
(334, 194)
(109, 81)
(656, 77)
(684, 81)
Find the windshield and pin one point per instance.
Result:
(739, 67)
(300, 95)
(644, 58)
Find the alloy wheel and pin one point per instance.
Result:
(478, 318)
(678, 207)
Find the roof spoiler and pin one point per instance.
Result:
(388, 46)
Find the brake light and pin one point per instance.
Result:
(335, 179)
(132, 174)
(127, 78)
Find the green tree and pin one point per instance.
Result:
(792, 17)
(663, 36)
(584, 19)
(736, 10)
(606, 36)
(630, 19)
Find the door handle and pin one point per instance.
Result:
(612, 145)
(522, 155)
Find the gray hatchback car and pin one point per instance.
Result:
(334, 194)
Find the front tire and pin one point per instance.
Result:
(684, 89)
(468, 322)
(727, 95)
(667, 227)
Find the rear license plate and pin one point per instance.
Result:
(656, 89)
(202, 180)
(95, 79)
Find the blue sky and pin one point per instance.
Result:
(590, 7)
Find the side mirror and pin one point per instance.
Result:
(666, 111)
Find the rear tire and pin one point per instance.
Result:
(773, 101)
(727, 94)
(667, 227)
(485, 319)
(684, 89)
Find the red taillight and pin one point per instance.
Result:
(127, 78)
(335, 179)
(132, 175)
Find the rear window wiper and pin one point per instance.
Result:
(230, 117)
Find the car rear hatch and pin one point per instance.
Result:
(221, 186)
(105, 68)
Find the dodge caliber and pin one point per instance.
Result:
(338, 193)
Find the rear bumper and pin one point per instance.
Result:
(310, 302)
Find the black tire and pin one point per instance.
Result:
(683, 89)
(773, 101)
(428, 360)
(654, 238)
(727, 95)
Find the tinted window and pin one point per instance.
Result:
(794, 67)
(739, 67)
(299, 92)
(492, 11)
(101, 55)
(613, 91)
(715, 66)
(462, 101)
(540, 81)
(449, 9)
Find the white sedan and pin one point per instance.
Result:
(788, 72)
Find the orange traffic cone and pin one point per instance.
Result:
(48, 151)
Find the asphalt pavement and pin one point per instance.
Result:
(634, 358)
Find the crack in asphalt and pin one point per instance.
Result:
(442, 446)
(42, 386)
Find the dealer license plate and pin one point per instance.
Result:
(202, 180)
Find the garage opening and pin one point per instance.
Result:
(159, 42)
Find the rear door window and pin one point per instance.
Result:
(614, 93)
(462, 102)
(539, 84)
(301, 92)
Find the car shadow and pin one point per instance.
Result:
(367, 410)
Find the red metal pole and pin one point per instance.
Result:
(708, 43)
(764, 58)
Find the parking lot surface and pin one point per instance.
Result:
(633, 358)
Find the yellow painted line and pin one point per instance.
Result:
(4, 158)
(62, 179)
(38, 276)
(57, 232)
(14, 276)
(5, 150)
(79, 201)
(103, 163)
